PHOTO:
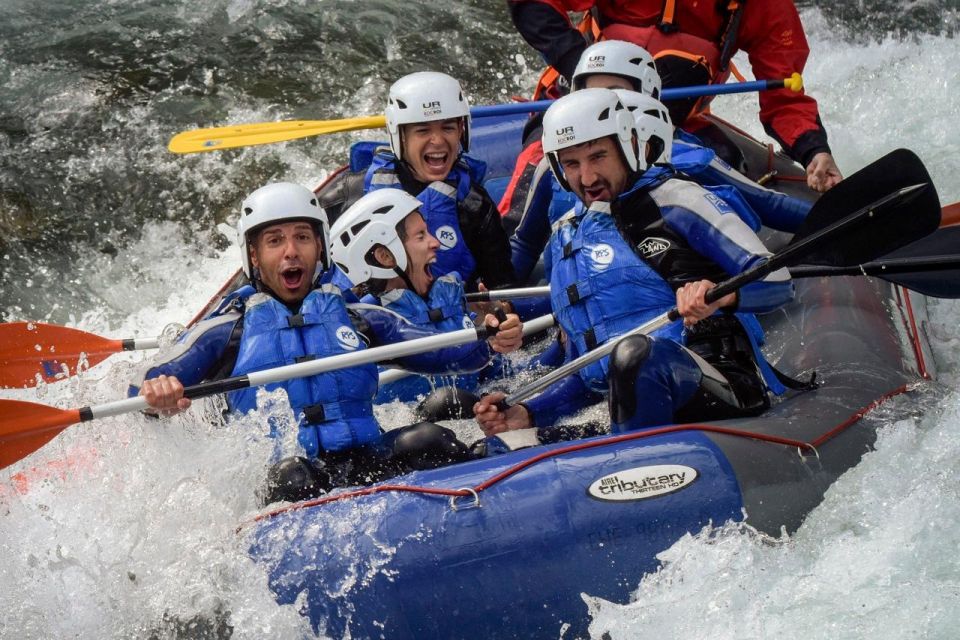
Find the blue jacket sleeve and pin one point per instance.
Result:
(533, 230)
(714, 230)
(387, 327)
(194, 355)
(559, 400)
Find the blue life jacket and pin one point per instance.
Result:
(443, 310)
(334, 410)
(440, 211)
(600, 287)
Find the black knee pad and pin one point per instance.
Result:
(426, 446)
(293, 480)
(447, 403)
(625, 363)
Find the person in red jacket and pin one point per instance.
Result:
(692, 42)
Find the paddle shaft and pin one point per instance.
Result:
(785, 257)
(890, 266)
(304, 369)
(667, 95)
(234, 136)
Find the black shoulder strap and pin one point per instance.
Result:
(224, 365)
(727, 39)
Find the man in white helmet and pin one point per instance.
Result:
(639, 243)
(428, 122)
(693, 43)
(290, 312)
(382, 244)
(534, 200)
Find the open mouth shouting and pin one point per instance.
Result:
(292, 277)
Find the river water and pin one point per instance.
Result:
(103, 229)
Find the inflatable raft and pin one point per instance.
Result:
(504, 547)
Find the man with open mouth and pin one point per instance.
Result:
(293, 310)
(383, 246)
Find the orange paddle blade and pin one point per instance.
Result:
(27, 426)
(32, 351)
(950, 215)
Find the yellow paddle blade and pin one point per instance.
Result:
(246, 135)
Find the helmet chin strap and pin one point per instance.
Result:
(406, 278)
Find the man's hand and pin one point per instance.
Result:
(165, 394)
(692, 303)
(509, 337)
(493, 421)
(822, 172)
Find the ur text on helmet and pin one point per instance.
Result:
(277, 203)
(584, 116)
(371, 221)
(619, 58)
(425, 96)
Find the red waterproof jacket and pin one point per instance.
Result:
(770, 32)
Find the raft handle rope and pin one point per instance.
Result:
(470, 505)
(580, 446)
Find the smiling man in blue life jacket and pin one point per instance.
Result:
(382, 244)
(294, 312)
(639, 243)
(623, 66)
(428, 121)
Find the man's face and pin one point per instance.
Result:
(421, 250)
(431, 148)
(286, 255)
(595, 170)
(607, 81)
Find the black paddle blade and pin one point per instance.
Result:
(893, 225)
(936, 271)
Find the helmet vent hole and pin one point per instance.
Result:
(605, 114)
(247, 210)
(355, 229)
(401, 104)
(314, 202)
(344, 239)
(383, 210)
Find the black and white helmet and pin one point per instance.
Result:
(425, 96)
(619, 58)
(372, 220)
(275, 203)
(586, 115)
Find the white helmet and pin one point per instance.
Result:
(588, 115)
(653, 122)
(372, 220)
(619, 58)
(425, 96)
(280, 202)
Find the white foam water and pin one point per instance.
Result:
(127, 527)
(877, 559)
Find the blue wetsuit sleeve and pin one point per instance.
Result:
(776, 210)
(389, 328)
(714, 230)
(560, 400)
(194, 355)
(533, 230)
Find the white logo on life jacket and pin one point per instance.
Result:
(652, 247)
(447, 237)
(468, 323)
(640, 483)
(602, 254)
(718, 203)
(347, 338)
